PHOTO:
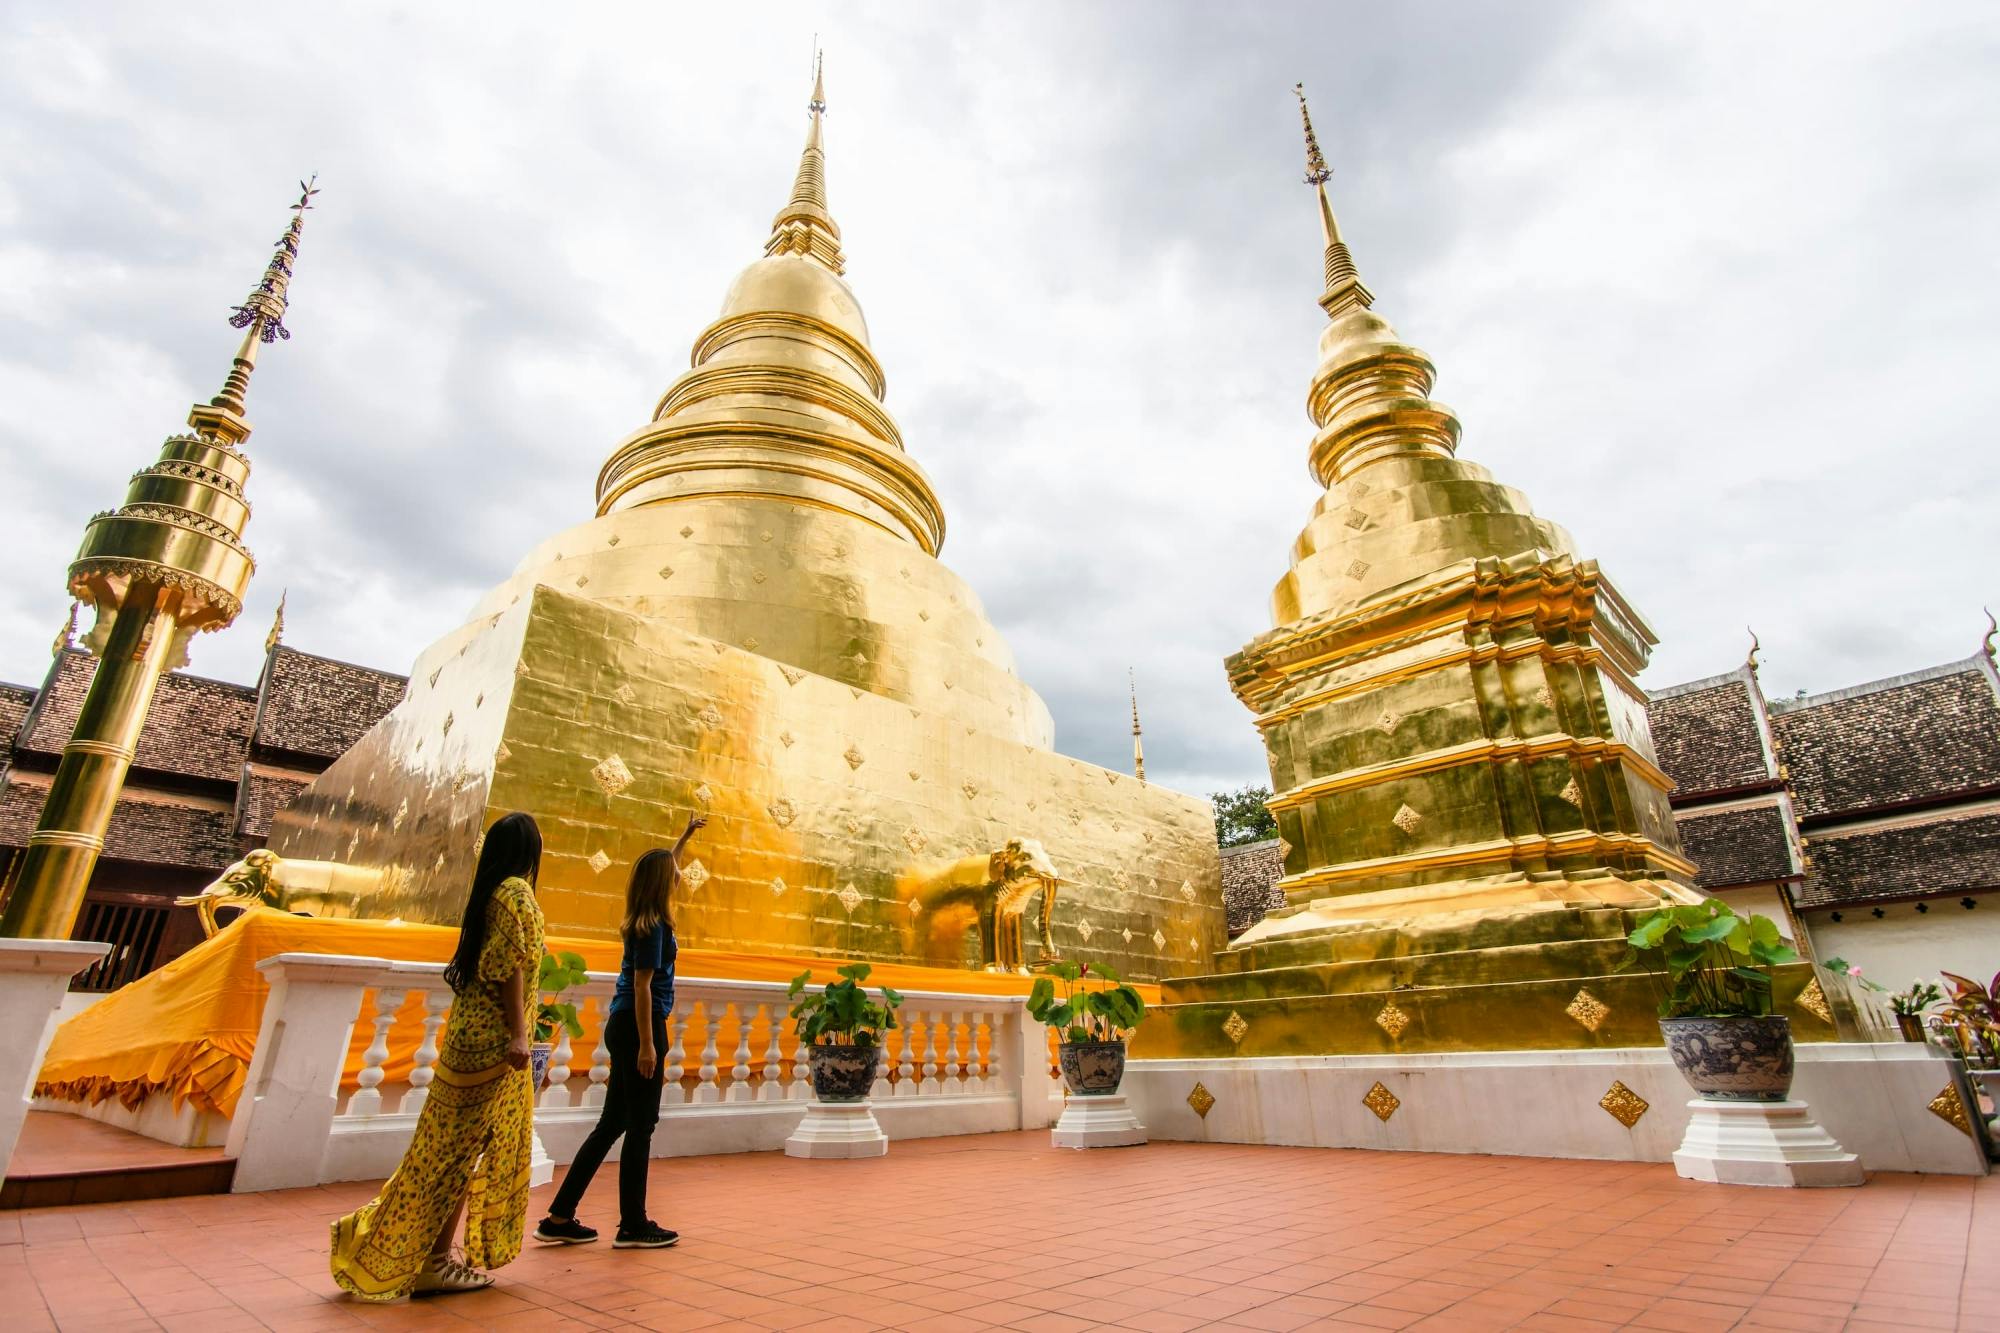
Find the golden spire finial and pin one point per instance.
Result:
(262, 314)
(277, 633)
(1344, 290)
(1138, 746)
(66, 639)
(804, 226)
(1751, 660)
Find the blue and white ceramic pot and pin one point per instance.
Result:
(1733, 1059)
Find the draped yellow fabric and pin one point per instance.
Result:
(188, 1029)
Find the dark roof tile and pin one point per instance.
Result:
(1942, 855)
(1708, 740)
(1742, 846)
(317, 706)
(145, 826)
(1926, 737)
(196, 727)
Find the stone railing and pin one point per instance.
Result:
(736, 1077)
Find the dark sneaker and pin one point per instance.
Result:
(651, 1236)
(571, 1232)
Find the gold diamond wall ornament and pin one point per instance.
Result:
(777, 887)
(521, 668)
(758, 576)
(782, 812)
(1392, 1021)
(710, 716)
(696, 875)
(1235, 1028)
(447, 723)
(625, 694)
(1588, 1010)
(764, 536)
(1386, 723)
(1544, 698)
(791, 674)
(502, 754)
(915, 776)
(1160, 940)
(916, 906)
(666, 571)
(1356, 519)
(1357, 569)
(703, 794)
(611, 775)
(850, 898)
(1187, 891)
(1623, 1105)
(854, 757)
(855, 825)
(1406, 819)
(1572, 793)
(1284, 849)
(1381, 1101)
(1201, 1099)
(1813, 1000)
(599, 862)
(786, 739)
(1126, 934)
(1950, 1108)
(970, 789)
(752, 644)
(915, 840)
(582, 580)
(612, 540)
(687, 532)
(1083, 928)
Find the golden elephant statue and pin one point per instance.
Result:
(989, 890)
(264, 879)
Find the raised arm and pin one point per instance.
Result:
(694, 822)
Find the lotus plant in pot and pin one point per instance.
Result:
(559, 971)
(841, 1029)
(1715, 1006)
(1096, 1011)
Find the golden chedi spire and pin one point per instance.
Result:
(167, 564)
(1138, 743)
(785, 398)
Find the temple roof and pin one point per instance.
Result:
(318, 706)
(1928, 736)
(197, 727)
(1946, 855)
(1744, 845)
(157, 828)
(1709, 737)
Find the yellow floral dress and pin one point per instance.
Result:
(474, 1136)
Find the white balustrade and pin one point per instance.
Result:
(292, 1127)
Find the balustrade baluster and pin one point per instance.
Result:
(930, 1086)
(557, 1091)
(600, 1056)
(705, 1089)
(739, 1073)
(424, 1069)
(801, 1086)
(975, 1054)
(771, 1083)
(954, 1072)
(673, 1093)
(367, 1099)
(906, 1083)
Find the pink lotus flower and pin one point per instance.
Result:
(1853, 971)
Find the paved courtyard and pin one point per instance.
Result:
(1003, 1231)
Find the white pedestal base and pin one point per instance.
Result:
(1097, 1122)
(1762, 1143)
(836, 1130)
(541, 1166)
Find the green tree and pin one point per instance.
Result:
(1241, 816)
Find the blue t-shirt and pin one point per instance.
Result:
(657, 952)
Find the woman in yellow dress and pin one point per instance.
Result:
(475, 1135)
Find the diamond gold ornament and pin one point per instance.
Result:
(854, 757)
(1202, 1100)
(1544, 698)
(791, 674)
(696, 875)
(970, 789)
(447, 724)
(1623, 1105)
(1572, 793)
(1392, 1020)
(1381, 1101)
(1588, 1010)
(624, 694)
(1386, 722)
(703, 794)
(1813, 1000)
(758, 576)
(752, 644)
(1187, 891)
(916, 906)
(709, 716)
(666, 571)
(914, 839)
(1950, 1108)
(1126, 934)
(687, 532)
(850, 898)
(1356, 519)
(777, 887)
(1235, 1028)
(855, 825)
(502, 754)
(1159, 940)
(1406, 819)
(1357, 569)
(1083, 928)
(786, 739)
(782, 812)
(599, 862)
(611, 775)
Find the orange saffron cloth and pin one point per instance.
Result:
(188, 1030)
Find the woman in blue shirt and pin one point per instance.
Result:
(635, 1031)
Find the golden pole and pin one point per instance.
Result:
(62, 851)
(166, 565)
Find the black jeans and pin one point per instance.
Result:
(631, 1108)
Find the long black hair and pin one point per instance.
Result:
(649, 897)
(513, 847)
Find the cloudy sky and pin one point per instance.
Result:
(1715, 287)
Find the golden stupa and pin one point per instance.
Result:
(1464, 782)
(755, 626)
